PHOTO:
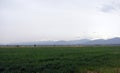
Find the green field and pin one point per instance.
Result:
(60, 59)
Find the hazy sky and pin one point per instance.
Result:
(38, 20)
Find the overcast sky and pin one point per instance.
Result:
(38, 20)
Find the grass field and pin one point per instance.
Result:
(60, 59)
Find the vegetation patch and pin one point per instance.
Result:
(57, 59)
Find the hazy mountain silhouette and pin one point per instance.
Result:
(61, 42)
(113, 41)
(105, 42)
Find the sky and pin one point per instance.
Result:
(41, 20)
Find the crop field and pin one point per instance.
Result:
(59, 59)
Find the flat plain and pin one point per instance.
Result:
(60, 59)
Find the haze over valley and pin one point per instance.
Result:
(44, 20)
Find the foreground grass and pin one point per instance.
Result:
(60, 60)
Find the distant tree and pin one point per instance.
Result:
(17, 46)
(35, 45)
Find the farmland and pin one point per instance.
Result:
(60, 59)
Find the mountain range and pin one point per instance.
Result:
(112, 41)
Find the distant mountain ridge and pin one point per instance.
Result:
(105, 42)
(112, 41)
